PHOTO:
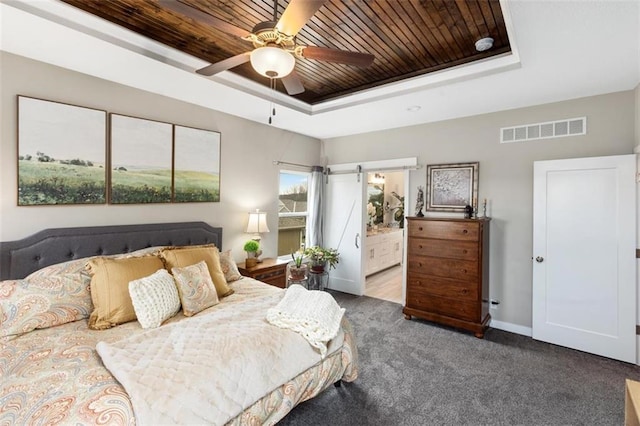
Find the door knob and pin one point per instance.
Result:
(539, 259)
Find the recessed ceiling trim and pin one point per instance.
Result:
(495, 64)
(243, 84)
(86, 23)
(463, 72)
(94, 26)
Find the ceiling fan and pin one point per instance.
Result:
(275, 47)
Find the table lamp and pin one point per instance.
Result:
(256, 225)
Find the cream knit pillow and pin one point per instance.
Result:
(155, 298)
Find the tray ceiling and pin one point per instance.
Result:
(408, 38)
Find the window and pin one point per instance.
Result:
(292, 211)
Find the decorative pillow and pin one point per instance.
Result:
(229, 267)
(110, 288)
(196, 289)
(155, 298)
(50, 296)
(78, 267)
(179, 257)
(148, 251)
(28, 304)
(72, 267)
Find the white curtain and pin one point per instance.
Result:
(315, 207)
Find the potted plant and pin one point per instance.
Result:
(298, 271)
(251, 247)
(322, 257)
(398, 214)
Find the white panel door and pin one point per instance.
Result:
(584, 267)
(344, 230)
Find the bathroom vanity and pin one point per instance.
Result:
(383, 249)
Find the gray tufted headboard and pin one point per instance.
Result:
(22, 257)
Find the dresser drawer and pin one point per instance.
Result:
(466, 250)
(444, 306)
(275, 277)
(444, 287)
(270, 271)
(466, 270)
(445, 230)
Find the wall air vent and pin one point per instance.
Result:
(548, 130)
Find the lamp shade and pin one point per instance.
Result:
(272, 62)
(257, 222)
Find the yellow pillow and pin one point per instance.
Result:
(180, 257)
(110, 288)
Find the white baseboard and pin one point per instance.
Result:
(512, 328)
(526, 331)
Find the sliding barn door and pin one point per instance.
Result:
(343, 230)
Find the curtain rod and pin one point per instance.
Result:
(374, 169)
(304, 166)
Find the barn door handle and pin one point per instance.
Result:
(357, 238)
(539, 259)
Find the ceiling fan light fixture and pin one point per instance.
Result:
(272, 62)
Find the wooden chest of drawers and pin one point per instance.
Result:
(448, 272)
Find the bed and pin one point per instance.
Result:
(51, 372)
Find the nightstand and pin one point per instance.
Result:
(270, 271)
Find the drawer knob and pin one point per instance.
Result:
(464, 271)
(465, 291)
(420, 228)
(464, 251)
(420, 246)
(464, 231)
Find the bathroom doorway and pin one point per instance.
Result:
(383, 247)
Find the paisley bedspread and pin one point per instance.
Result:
(54, 375)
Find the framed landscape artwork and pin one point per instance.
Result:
(196, 165)
(141, 160)
(61, 153)
(451, 187)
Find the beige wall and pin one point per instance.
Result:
(249, 180)
(506, 173)
(637, 91)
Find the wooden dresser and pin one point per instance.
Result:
(448, 272)
(270, 271)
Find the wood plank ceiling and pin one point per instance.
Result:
(407, 37)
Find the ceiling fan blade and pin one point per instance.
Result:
(341, 56)
(292, 83)
(297, 13)
(224, 65)
(202, 17)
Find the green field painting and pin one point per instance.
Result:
(61, 153)
(54, 182)
(196, 165)
(137, 186)
(193, 186)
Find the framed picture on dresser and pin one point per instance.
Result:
(451, 187)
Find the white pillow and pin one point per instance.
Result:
(155, 298)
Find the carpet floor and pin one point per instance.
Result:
(417, 373)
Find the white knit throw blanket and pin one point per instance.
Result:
(312, 313)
